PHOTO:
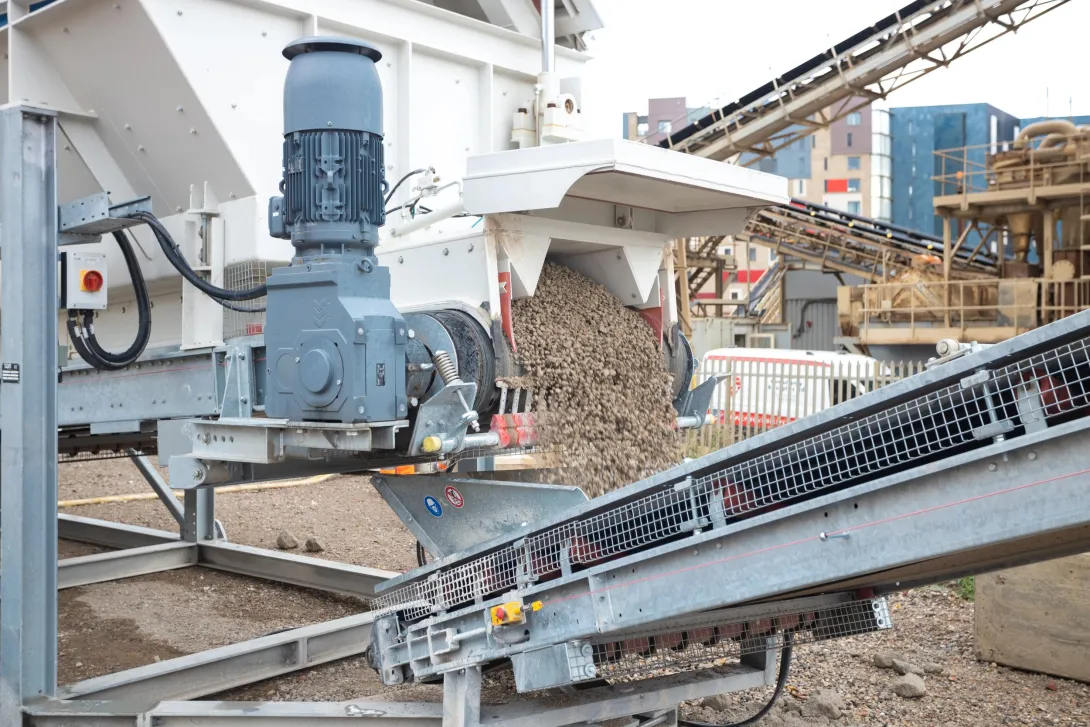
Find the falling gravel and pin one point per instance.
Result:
(601, 389)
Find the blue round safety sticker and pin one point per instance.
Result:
(433, 506)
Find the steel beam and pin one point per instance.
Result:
(651, 696)
(212, 671)
(462, 697)
(28, 409)
(109, 534)
(298, 570)
(116, 564)
(159, 485)
(217, 714)
(648, 696)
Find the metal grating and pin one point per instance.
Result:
(717, 643)
(240, 276)
(984, 407)
(95, 456)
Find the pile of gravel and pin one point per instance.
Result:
(601, 391)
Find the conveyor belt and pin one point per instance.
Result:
(982, 462)
(1036, 380)
(865, 66)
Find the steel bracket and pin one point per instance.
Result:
(86, 220)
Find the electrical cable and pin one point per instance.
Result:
(781, 682)
(239, 308)
(83, 334)
(401, 181)
(421, 555)
(174, 256)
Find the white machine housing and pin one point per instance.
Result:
(181, 100)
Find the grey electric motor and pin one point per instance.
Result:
(337, 347)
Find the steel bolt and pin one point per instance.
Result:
(412, 333)
(446, 251)
(296, 359)
(1032, 455)
(993, 467)
(360, 410)
(359, 331)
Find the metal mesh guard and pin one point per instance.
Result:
(1043, 388)
(716, 643)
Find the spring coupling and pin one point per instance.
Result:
(447, 370)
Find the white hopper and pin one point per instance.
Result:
(181, 100)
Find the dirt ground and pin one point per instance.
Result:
(111, 626)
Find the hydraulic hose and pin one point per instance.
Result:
(175, 257)
(781, 682)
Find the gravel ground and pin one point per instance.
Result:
(111, 626)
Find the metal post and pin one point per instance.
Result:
(1049, 243)
(200, 515)
(947, 266)
(462, 696)
(548, 36)
(684, 315)
(28, 409)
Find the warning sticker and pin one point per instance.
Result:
(454, 497)
(9, 373)
(433, 506)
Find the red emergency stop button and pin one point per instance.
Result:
(90, 281)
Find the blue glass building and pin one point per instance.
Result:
(917, 132)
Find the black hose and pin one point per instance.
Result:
(175, 257)
(781, 682)
(83, 335)
(401, 181)
(239, 308)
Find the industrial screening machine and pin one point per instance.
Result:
(386, 323)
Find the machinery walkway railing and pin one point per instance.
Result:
(758, 394)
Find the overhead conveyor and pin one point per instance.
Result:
(843, 242)
(868, 65)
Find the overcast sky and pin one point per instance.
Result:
(707, 49)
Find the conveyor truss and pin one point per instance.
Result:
(920, 37)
